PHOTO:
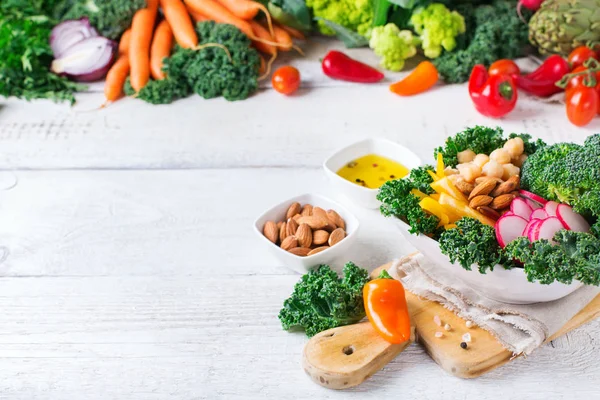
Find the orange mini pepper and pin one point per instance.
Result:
(418, 81)
(385, 304)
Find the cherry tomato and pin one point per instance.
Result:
(580, 55)
(504, 67)
(286, 80)
(582, 105)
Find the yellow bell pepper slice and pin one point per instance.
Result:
(449, 226)
(418, 193)
(463, 209)
(446, 186)
(433, 175)
(435, 196)
(433, 207)
(439, 170)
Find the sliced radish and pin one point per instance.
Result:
(529, 226)
(519, 207)
(571, 220)
(533, 196)
(534, 230)
(539, 214)
(548, 228)
(550, 208)
(508, 228)
(533, 204)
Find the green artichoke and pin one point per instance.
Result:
(561, 25)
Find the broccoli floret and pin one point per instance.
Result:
(321, 300)
(398, 201)
(110, 17)
(438, 28)
(472, 242)
(356, 15)
(421, 180)
(573, 256)
(393, 46)
(480, 139)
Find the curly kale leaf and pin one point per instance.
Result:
(163, 91)
(321, 300)
(398, 201)
(480, 139)
(572, 256)
(421, 180)
(473, 243)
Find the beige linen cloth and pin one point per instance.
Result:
(519, 328)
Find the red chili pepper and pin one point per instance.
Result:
(493, 96)
(542, 81)
(337, 65)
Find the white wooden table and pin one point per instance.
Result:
(130, 270)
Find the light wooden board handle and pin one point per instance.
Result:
(344, 357)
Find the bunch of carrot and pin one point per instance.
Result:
(143, 47)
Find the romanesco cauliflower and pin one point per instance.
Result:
(356, 15)
(393, 45)
(438, 28)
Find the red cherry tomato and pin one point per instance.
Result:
(504, 67)
(582, 105)
(580, 55)
(286, 80)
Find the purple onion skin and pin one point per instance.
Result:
(98, 74)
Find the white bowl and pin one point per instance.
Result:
(504, 285)
(335, 254)
(363, 196)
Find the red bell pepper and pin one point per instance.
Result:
(542, 81)
(493, 96)
(337, 65)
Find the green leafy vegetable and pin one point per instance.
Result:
(421, 179)
(381, 9)
(575, 256)
(398, 201)
(438, 28)
(163, 91)
(393, 46)
(480, 139)
(472, 242)
(350, 38)
(292, 13)
(321, 300)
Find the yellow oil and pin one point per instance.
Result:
(372, 171)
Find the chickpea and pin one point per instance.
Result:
(465, 156)
(481, 160)
(469, 171)
(450, 171)
(515, 147)
(518, 161)
(501, 156)
(510, 170)
(493, 169)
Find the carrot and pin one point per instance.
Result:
(124, 42)
(295, 33)
(139, 48)
(152, 5)
(247, 10)
(262, 33)
(179, 19)
(263, 65)
(160, 49)
(216, 12)
(283, 38)
(197, 17)
(115, 79)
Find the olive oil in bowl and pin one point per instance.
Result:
(372, 171)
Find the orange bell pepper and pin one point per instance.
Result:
(418, 81)
(385, 304)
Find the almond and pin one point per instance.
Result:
(300, 251)
(464, 186)
(319, 212)
(506, 187)
(306, 210)
(304, 235)
(293, 210)
(320, 237)
(289, 243)
(484, 178)
(296, 217)
(484, 188)
(314, 222)
(488, 212)
(502, 201)
(279, 224)
(336, 219)
(283, 232)
(317, 250)
(336, 236)
(480, 201)
(270, 231)
(292, 227)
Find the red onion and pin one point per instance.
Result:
(67, 33)
(86, 61)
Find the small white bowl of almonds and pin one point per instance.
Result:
(307, 231)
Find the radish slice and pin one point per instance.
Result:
(534, 230)
(529, 226)
(571, 220)
(519, 207)
(548, 228)
(533, 204)
(533, 196)
(508, 228)
(550, 208)
(539, 214)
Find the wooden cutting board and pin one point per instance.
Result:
(327, 361)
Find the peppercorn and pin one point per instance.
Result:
(463, 345)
